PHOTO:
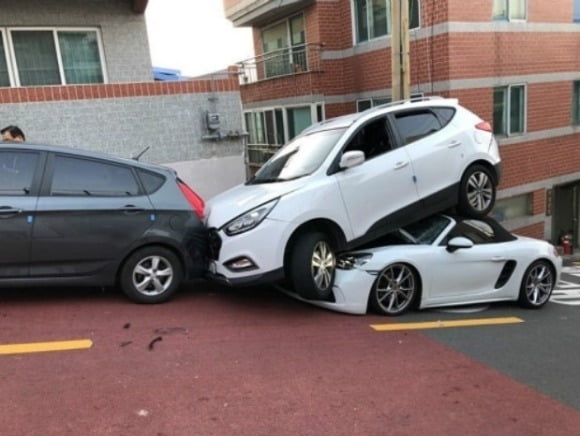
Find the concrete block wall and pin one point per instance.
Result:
(124, 33)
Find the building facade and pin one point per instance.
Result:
(79, 73)
(513, 62)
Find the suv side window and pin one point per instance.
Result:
(415, 125)
(17, 169)
(77, 176)
(372, 138)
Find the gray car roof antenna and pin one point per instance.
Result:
(136, 157)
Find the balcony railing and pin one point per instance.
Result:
(303, 58)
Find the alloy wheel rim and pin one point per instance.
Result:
(395, 288)
(479, 191)
(322, 265)
(153, 275)
(539, 284)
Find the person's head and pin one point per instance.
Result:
(12, 133)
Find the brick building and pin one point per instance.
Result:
(79, 73)
(515, 63)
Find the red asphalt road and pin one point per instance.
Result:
(247, 363)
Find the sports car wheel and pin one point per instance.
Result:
(151, 275)
(395, 290)
(476, 192)
(537, 285)
(313, 266)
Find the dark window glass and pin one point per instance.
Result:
(414, 14)
(270, 130)
(445, 114)
(372, 139)
(4, 78)
(75, 176)
(477, 231)
(363, 105)
(279, 127)
(151, 181)
(576, 103)
(17, 171)
(36, 60)
(576, 16)
(416, 125)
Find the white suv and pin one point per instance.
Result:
(346, 181)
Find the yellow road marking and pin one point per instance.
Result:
(445, 324)
(41, 347)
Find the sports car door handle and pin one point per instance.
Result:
(498, 259)
(454, 144)
(401, 164)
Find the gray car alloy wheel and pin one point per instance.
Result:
(394, 289)
(538, 284)
(322, 265)
(479, 191)
(152, 275)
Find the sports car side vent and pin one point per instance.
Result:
(505, 274)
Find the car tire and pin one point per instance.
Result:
(395, 290)
(312, 266)
(537, 285)
(151, 275)
(477, 191)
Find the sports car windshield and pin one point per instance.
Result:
(298, 158)
(427, 230)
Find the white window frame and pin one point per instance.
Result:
(4, 40)
(290, 47)
(509, 18)
(508, 109)
(389, 24)
(13, 68)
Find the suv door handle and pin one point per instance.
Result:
(401, 164)
(454, 144)
(131, 208)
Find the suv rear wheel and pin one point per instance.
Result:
(477, 192)
(151, 275)
(312, 266)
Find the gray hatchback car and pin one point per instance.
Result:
(72, 217)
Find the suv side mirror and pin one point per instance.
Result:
(457, 243)
(351, 159)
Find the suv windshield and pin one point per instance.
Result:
(298, 158)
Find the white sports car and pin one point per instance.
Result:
(445, 261)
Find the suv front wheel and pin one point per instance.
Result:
(477, 192)
(312, 266)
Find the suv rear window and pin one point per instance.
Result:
(151, 181)
(414, 125)
(77, 176)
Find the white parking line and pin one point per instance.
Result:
(566, 292)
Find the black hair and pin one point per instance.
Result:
(14, 131)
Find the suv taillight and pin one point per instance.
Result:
(484, 125)
(193, 199)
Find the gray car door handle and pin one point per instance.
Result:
(130, 208)
(454, 144)
(8, 210)
(401, 164)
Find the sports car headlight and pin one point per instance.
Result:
(350, 261)
(250, 219)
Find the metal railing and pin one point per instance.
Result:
(302, 58)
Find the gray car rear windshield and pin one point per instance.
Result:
(298, 158)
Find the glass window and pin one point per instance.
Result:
(299, 118)
(576, 16)
(279, 115)
(373, 18)
(509, 109)
(84, 177)
(509, 9)
(372, 139)
(513, 207)
(151, 181)
(4, 77)
(445, 114)
(17, 171)
(38, 62)
(576, 103)
(363, 105)
(416, 125)
(80, 57)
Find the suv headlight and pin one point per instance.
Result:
(250, 219)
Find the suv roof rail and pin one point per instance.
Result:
(409, 100)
